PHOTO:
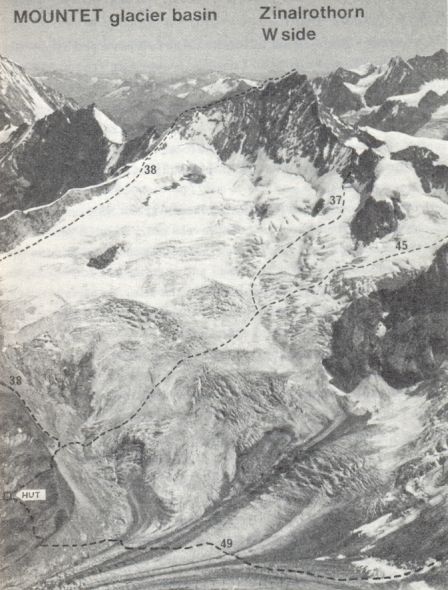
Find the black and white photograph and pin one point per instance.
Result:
(223, 295)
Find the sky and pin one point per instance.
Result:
(234, 43)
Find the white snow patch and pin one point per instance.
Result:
(395, 176)
(439, 86)
(380, 330)
(40, 108)
(224, 85)
(420, 586)
(120, 91)
(355, 88)
(440, 113)
(111, 131)
(356, 144)
(378, 567)
(6, 132)
(396, 141)
(219, 87)
(385, 525)
(364, 84)
(361, 70)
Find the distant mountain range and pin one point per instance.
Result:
(142, 101)
(397, 96)
(344, 121)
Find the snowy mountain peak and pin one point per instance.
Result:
(24, 99)
(364, 69)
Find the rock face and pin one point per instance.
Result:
(142, 101)
(399, 78)
(181, 409)
(376, 219)
(284, 119)
(395, 115)
(104, 259)
(66, 149)
(24, 99)
(432, 174)
(404, 77)
(370, 96)
(401, 334)
(135, 149)
(431, 66)
(334, 93)
(26, 453)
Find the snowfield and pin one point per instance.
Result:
(439, 86)
(171, 342)
(396, 141)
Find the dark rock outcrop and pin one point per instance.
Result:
(399, 78)
(401, 334)
(361, 170)
(431, 174)
(26, 454)
(396, 116)
(284, 119)
(404, 77)
(318, 206)
(335, 94)
(431, 66)
(104, 259)
(39, 163)
(376, 219)
(136, 148)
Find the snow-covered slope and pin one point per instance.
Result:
(398, 96)
(395, 142)
(110, 130)
(187, 240)
(439, 86)
(197, 324)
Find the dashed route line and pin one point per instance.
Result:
(30, 412)
(234, 554)
(355, 266)
(206, 351)
(258, 310)
(160, 144)
(188, 357)
(288, 246)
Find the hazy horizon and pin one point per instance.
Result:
(233, 44)
(157, 76)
